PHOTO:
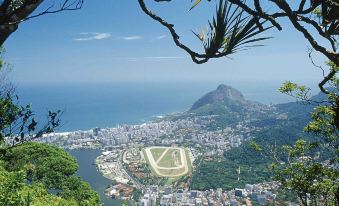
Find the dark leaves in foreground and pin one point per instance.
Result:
(230, 31)
(17, 123)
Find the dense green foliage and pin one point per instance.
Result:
(76, 189)
(31, 170)
(312, 167)
(254, 165)
(14, 191)
(44, 163)
(137, 194)
(223, 174)
(32, 173)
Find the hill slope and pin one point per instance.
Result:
(227, 106)
(222, 173)
(223, 94)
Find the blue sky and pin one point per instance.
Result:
(113, 41)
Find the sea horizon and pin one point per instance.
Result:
(107, 105)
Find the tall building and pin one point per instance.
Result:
(193, 194)
(234, 202)
(261, 199)
(96, 131)
(249, 188)
(238, 192)
(167, 190)
(219, 192)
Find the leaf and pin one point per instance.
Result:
(230, 31)
(195, 4)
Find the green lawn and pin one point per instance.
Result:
(188, 159)
(171, 158)
(170, 172)
(157, 152)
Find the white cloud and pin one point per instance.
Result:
(129, 38)
(93, 36)
(161, 37)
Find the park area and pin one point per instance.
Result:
(167, 161)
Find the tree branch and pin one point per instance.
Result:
(10, 19)
(66, 6)
(175, 36)
(325, 80)
(256, 13)
(230, 31)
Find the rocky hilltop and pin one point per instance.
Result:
(223, 94)
(226, 105)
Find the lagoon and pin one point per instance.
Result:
(88, 172)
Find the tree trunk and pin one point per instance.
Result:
(6, 31)
(10, 20)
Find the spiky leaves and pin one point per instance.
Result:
(196, 2)
(230, 31)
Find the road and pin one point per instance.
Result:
(137, 184)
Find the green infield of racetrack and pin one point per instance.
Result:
(168, 160)
(157, 152)
(171, 179)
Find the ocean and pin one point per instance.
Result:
(86, 106)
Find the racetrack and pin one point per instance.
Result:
(180, 168)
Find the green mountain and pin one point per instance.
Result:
(228, 106)
(255, 165)
(223, 94)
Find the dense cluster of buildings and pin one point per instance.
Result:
(108, 163)
(188, 131)
(120, 191)
(259, 194)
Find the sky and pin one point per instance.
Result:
(112, 41)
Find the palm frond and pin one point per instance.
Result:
(195, 4)
(230, 30)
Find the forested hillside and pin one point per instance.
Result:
(254, 165)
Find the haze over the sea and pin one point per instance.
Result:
(87, 106)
